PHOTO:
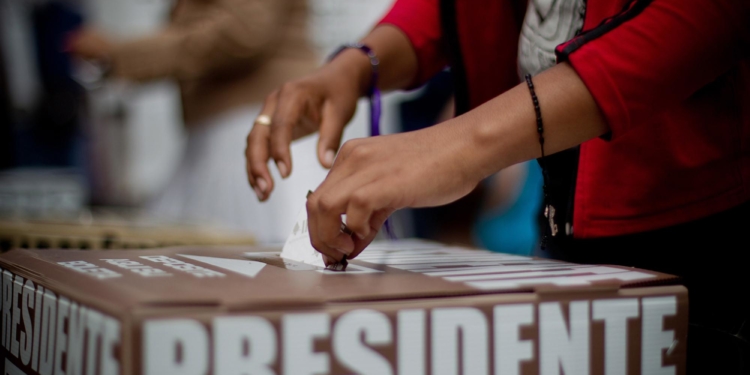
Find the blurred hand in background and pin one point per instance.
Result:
(89, 43)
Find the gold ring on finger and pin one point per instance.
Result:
(263, 120)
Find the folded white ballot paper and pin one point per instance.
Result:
(298, 246)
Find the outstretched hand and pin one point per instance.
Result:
(89, 44)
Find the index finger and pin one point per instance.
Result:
(257, 151)
(332, 249)
(286, 118)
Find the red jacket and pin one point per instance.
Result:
(672, 78)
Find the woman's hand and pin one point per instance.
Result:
(372, 177)
(324, 101)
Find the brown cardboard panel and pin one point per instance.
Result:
(199, 276)
(168, 311)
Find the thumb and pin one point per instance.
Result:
(331, 130)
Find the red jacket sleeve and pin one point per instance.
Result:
(419, 20)
(657, 53)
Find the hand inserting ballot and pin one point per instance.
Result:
(373, 177)
(331, 263)
(347, 244)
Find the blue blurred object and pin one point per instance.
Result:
(511, 228)
(418, 113)
(514, 229)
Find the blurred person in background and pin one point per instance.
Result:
(507, 221)
(226, 55)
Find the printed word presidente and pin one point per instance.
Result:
(463, 340)
(52, 335)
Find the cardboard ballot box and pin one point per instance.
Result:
(404, 307)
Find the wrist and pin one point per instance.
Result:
(355, 68)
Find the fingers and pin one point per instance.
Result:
(256, 156)
(325, 225)
(328, 260)
(331, 131)
(362, 207)
(70, 41)
(364, 199)
(377, 220)
(296, 110)
(330, 201)
(285, 119)
(257, 153)
(332, 244)
(88, 43)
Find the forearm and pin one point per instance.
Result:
(148, 58)
(397, 61)
(503, 131)
(230, 36)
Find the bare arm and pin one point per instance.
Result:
(373, 177)
(505, 131)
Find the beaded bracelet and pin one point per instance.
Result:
(549, 210)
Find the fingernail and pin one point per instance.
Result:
(328, 157)
(344, 251)
(360, 236)
(262, 185)
(345, 245)
(258, 193)
(282, 168)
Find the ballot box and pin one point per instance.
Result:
(402, 307)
